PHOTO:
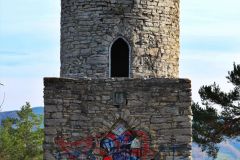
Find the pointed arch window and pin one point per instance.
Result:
(119, 58)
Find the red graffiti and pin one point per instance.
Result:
(73, 150)
(146, 149)
(108, 147)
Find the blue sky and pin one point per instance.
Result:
(30, 44)
(210, 41)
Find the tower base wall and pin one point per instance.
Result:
(140, 119)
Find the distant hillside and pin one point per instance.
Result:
(13, 114)
(38, 110)
(10, 114)
(229, 150)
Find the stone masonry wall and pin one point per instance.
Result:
(88, 28)
(108, 118)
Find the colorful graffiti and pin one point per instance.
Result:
(129, 145)
(118, 144)
(80, 149)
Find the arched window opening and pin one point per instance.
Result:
(120, 58)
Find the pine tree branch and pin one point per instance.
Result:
(210, 127)
(228, 127)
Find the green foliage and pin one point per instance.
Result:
(22, 138)
(211, 127)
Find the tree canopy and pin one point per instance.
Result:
(21, 138)
(212, 126)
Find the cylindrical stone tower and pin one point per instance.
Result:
(120, 38)
(146, 115)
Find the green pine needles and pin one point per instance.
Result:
(210, 126)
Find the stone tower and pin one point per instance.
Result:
(93, 32)
(119, 96)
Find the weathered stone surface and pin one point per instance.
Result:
(88, 29)
(83, 107)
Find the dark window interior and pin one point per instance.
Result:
(120, 59)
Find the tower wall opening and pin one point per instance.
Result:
(119, 61)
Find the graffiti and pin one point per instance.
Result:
(118, 144)
(80, 149)
(129, 145)
(122, 146)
